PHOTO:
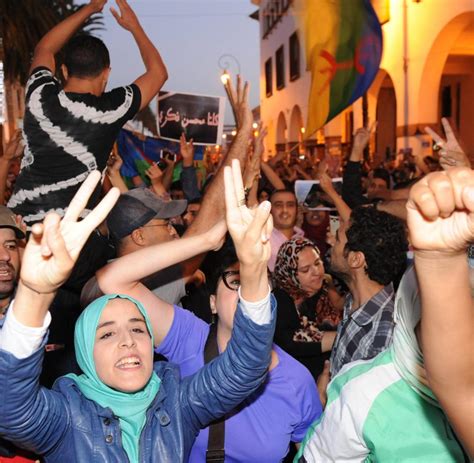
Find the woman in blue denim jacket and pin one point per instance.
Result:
(124, 408)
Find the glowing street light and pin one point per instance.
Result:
(224, 63)
(225, 77)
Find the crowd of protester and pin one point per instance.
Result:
(217, 318)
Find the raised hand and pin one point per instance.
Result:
(238, 99)
(55, 244)
(186, 149)
(154, 173)
(127, 17)
(441, 211)
(323, 177)
(252, 167)
(451, 154)
(114, 163)
(361, 139)
(250, 229)
(97, 5)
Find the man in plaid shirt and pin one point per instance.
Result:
(369, 253)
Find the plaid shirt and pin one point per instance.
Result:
(366, 332)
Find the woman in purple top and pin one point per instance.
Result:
(280, 411)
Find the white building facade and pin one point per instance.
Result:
(427, 72)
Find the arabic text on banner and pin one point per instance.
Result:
(199, 117)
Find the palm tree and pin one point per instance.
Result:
(24, 22)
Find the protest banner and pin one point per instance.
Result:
(200, 117)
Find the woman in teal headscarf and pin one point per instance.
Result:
(123, 318)
(125, 407)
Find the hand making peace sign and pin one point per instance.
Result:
(451, 154)
(250, 229)
(55, 244)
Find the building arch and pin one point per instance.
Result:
(435, 61)
(281, 133)
(296, 124)
(282, 129)
(385, 105)
(296, 131)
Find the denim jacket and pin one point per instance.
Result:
(64, 426)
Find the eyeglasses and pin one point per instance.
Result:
(166, 224)
(231, 279)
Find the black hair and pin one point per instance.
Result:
(86, 56)
(382, 239)
(194, 201)
(216, 262)
(267, 190)
(283, 190)
(382, 174)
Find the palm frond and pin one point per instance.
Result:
(24, 22)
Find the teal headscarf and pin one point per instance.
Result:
(129, 407)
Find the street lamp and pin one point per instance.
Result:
(225, 77)
(224, 63)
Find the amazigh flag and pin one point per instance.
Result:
(343, 47)
(138, 153)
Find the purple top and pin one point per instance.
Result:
(280, 411)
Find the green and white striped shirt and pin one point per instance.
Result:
(381, 409)
(372, 414)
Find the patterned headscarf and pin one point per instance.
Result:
(286, 266)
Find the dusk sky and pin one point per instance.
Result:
(191, 35)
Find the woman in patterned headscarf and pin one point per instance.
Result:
(309, 308)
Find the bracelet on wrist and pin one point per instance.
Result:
(36, 291)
